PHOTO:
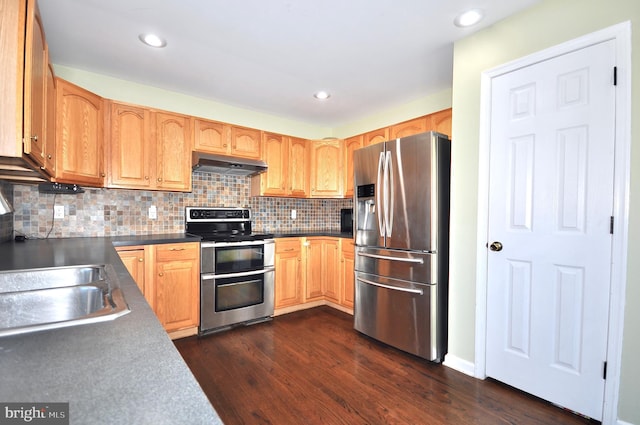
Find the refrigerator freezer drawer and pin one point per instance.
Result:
(406, 315)
(414, 266)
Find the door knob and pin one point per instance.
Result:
(495, 246)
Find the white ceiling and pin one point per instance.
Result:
(272, 55)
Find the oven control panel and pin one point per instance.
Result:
(217, 214)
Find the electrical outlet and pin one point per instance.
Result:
(294, 214)
(153, 212)
(58, 211)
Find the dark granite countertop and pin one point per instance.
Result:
(153, 239)
(125, 371)
(310, 233)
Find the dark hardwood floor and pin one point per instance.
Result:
(312, 367)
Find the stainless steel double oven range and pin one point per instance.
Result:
(236, 268)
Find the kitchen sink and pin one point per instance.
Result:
(49, 298)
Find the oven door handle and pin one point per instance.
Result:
(241, 243)
(210, 276)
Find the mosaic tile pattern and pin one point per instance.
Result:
(121, 212)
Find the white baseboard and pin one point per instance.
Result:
(619, 422)
(461, 365)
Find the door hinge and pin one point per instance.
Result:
(611, 225)
(615, 75)
(604, 371)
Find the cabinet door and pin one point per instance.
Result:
(347, 278)
(350, 145)
(408, 128)
(331, 270)
(173, 158)
(326, 169)
(275, 148)
(177, 285)
(212, 136)
(50, 122)
(314, 274)
(298, 164)
(131, 150)
(245, 142)
(79, 135)
(34, 86)
(441, 122)
(289, 278)
(134, 262)
(376, 136)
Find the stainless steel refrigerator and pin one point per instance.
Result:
(401, 221)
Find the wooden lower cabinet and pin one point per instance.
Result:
(289, 277)
(133, 258)
(170, 282)
(347, 276)
(310, 272)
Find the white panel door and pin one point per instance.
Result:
(550, 206)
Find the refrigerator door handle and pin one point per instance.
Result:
(386, 257)
(395, 288)
(390, 198)
(378, 194)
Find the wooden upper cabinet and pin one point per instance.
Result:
(149, 149)
(440, 122)
(173, 138)
(131, 147)
(225, 139)
(50, 122)
(35, 135)
(212, 137)
(79, 135)
(326, 168)
(408, 128)
(298, 161)
(245, 142)
(375, 136)
(288, 172)
(275, 151)
(350, 145)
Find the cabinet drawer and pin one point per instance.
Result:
(287, 245)
(177, 251)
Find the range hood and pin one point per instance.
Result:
(229, 165)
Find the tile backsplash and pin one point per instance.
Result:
(122, 212)
(6, 221)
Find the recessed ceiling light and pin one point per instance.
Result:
(468, 18)
(321, 95)
(152, 40)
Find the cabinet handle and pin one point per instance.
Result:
(49, 156)
(160, 274)
(289, 249)
(159, 179)
(141, 259)
(146, 177)
(103, 175)
(224, 145)
(177, 249)
(34, 138)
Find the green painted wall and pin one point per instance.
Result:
(549, 23)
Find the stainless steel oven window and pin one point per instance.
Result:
(238, 292)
